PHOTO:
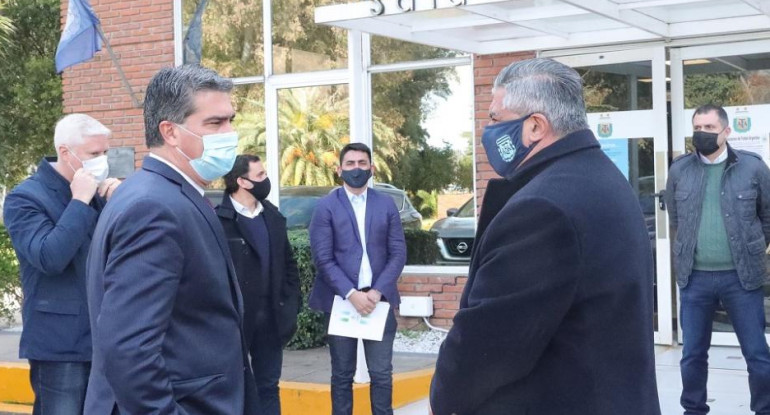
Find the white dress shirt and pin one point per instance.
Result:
(359, 208)
(722, 157)
(186, 177)
(243, 210)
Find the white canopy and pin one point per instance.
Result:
(498, 26)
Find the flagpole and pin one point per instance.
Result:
(117, 65)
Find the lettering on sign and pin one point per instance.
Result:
(404, 6)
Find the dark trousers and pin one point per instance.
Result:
(699, 301)
(266, 353)
(60, 387)
(379, 359)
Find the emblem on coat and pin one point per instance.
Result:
(604, 129)
(505, 148)
(742, 120)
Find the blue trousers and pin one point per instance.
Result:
(699, 300)
(266, 353)
(379, 359)
(60, 387)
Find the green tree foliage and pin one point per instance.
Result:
(6, 29)
(30, 90)
(10, 290)
(313, 126)
(429, 169)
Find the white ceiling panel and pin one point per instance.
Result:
(496, 26)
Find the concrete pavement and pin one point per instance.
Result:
(728, 380)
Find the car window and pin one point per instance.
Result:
(298, 210)
(466, 211)
(398, 198)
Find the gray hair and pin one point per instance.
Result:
(73, 128)
(170, 97)
(546, 87)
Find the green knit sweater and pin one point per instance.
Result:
(712, 252)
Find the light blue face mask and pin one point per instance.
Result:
(219, 151)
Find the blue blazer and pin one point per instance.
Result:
(51, 234)
(337, 251)
(165, 305)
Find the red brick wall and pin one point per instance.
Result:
(445, 290)
(141, 33)
(485, 69)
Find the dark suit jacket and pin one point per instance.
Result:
(284, 276)
(337, 252)
(51, 234)
(556, 316)
(165, 305)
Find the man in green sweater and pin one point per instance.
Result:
(719, 206)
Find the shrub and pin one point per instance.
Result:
(10, 284)
(311, 329)
(421, 247)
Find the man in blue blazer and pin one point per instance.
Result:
(359, 251)
(163, 296)
(50, 218)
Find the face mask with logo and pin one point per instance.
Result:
(706, 143)
(356, 178)
(97, 166)
(219, 152)
(259, 190)
(502, 142)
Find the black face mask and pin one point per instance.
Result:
(356, 178)
(259, 190)
(706, 143)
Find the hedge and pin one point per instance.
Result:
(421, 247)
(10, 285)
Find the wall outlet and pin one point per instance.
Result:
(416, 307)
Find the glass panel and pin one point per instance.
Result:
(387, 50)
(727, 80)
(249, 105)
(635, 157)
(422, 122)
(312, 128)
(299, 45)
(225, 35)
(742, 85)
(617, 87)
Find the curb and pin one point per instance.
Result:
(297, 398)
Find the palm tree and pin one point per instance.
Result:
(313, 127)
(6, 29)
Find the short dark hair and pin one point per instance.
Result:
(355, 147)
(169, 97)
(240, 169)
(721, 113)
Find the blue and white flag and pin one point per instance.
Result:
(79, 39)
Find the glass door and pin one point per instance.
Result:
(625, 95)
(739, 81)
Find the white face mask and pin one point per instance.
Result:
(97, 166)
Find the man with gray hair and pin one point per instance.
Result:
(556, 316)
(166, 310)
(50, 218)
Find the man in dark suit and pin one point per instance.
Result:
(359, 251)
(556, 317)
(50, 218)
(266, 270)
(163, 296)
